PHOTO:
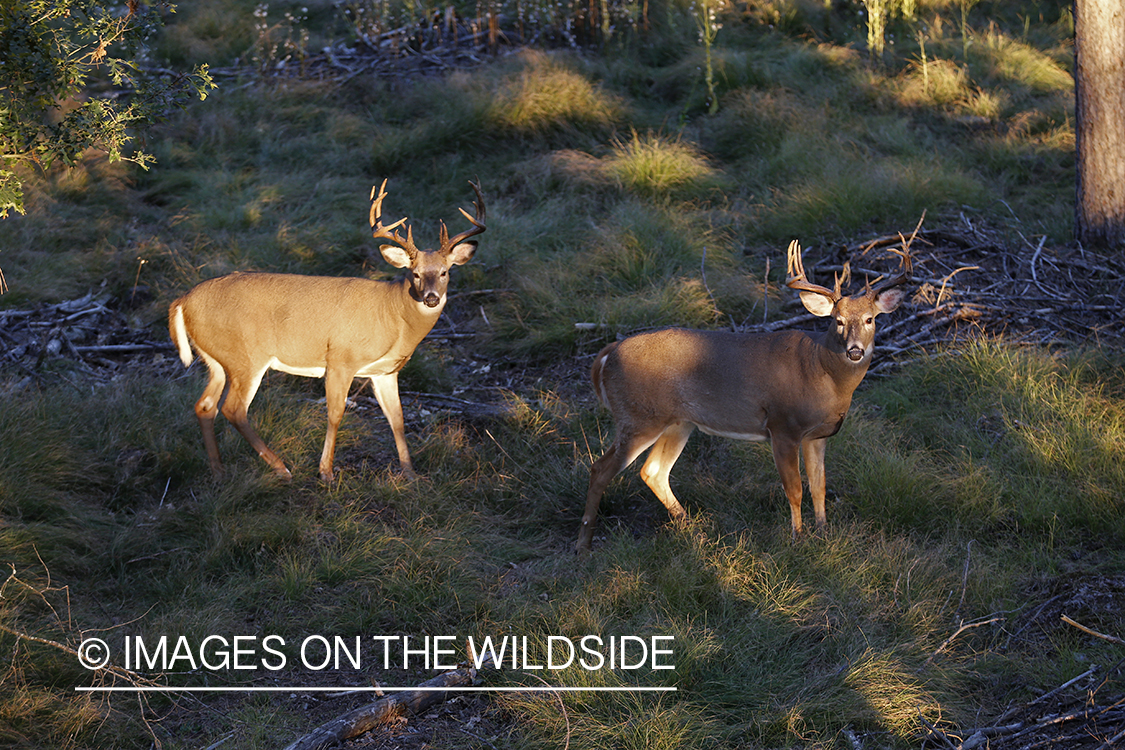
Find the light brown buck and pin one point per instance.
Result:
(792, 388)
(339, 328)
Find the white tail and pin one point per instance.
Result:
(339, 328)
(792, 388)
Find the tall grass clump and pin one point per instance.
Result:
(654, 165)
(642, 267)
(844, 196)
(935, 83)
(1017, 64)
(755, 123)
(546, 96)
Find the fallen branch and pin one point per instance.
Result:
(1096, 634)
(964, 626)
(1084, 721)
(1089, 672)
(366, 718)
(123, 348)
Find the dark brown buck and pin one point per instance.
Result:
(792, 388)
(337, 328)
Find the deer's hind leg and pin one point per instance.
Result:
(240, 392)
(207, 407)
(625, 449)
(659, 464)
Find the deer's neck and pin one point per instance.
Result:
(419, 319)
(833, 361)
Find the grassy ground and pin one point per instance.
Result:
(972, 487)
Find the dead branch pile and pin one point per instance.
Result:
(1077, 715)
(88, 333)
(1087, 712)
(365, 718)
(969, 282)
(442, 43)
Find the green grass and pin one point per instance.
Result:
(616, 204)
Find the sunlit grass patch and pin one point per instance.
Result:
(891, 695)
(654, 165)
(935, 82)
(849, 194)
(627, 722)
(547, 95)
(1014, 62)
(1036, 428)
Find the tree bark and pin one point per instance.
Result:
(1100, 97)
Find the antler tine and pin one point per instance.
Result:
(448, 243)
(903, 275)
(843, 279)
(375, 220)
(797, 279)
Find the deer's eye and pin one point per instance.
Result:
(869, 320)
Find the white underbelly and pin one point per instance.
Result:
(752, 436)
(383, 366)
(305, 372)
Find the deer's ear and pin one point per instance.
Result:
(889, 300)
(817, 304)
(462, 253)
(395, 255)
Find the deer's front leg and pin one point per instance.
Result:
(814, 467)
(785, 457)
(386, 393)
(337, 383)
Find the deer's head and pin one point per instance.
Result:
(429, 269)
(853, 330)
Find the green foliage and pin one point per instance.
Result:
(49, 54)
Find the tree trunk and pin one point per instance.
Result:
(1100, 95)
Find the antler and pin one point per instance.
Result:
(378, 231)
(903, 275)
(447, 242)
(797, 279)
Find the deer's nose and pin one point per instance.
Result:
(431, 299)
(855, 354)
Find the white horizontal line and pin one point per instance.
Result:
(366, 689)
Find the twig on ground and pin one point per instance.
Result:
(964, 626)
(1089, 672)
(1096, 634)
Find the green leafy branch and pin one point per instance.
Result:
(50, 53)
